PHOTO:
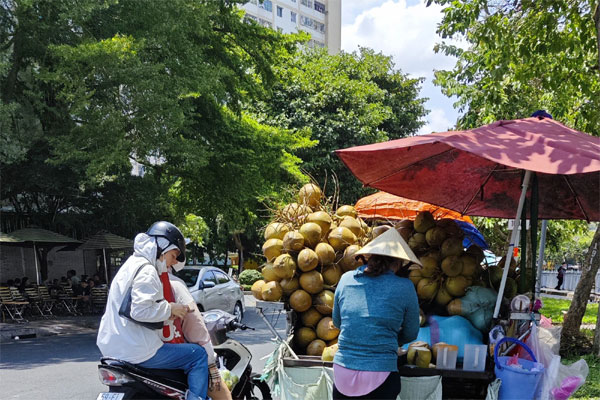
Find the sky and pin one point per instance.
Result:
(405, 30)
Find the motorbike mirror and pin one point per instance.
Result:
(207, 284)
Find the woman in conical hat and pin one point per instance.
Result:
(376, 312)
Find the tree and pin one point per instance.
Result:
(519, 57)
(343, 100)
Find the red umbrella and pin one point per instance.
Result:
(480, 171)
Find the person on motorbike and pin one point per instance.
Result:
(126, 339)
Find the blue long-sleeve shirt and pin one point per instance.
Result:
(375, 315)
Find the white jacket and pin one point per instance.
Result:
(124, 339)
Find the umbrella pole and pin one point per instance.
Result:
(538, 282)
(513, 239)
(105, 266)
(37, 267)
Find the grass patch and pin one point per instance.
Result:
(591, 388)
(553, 309)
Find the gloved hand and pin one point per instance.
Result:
(214, 378)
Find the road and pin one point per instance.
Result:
(65, 367)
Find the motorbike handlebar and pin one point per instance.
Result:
(237, 325)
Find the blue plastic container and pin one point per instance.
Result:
(517, 383)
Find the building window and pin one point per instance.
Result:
(267, 5)
(250, 17)
(293, 16)
(279, 11)
(320, 7)
(307, 3)
(265, 23)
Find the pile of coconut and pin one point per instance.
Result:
(307, 248)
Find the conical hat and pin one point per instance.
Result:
(390, 244)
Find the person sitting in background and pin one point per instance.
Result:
(91, 285)
(16, 283)
(10, 283)
(97, 280)
(72, 276)
(24, 284)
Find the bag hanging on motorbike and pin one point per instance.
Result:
(125, 309)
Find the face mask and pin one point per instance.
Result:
(178, 266)
(161, 266)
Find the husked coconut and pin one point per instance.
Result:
(257, 289)
(346, 211)
(307, 260)
(430, 267)
(293, 241)
(289, 285)
(424, 221)
(315, 348)
(300, 300)
(457, 285)
(276, 230)
(268, 272)
(322, 219)
(312, 234)
(435, 236)
(311, 317)
(271, 291)
(415, 276)
(284, 266)
(443, 297)
(326, 330)
(272, 249)
(427, 288)
(423, 357)
(340, 238)
(349, 261)
(311, 281)
(304, 336)
(332, 274)
(353, 225)
(451, 247)
(324, 302)
(326, 253)
(452, 265)
(310, 195)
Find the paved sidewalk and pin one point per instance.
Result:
(49, 327)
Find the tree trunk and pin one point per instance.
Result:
(596, 348)
(240, 248)
(582, 291)
(597, 23)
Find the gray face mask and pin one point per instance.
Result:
(161, 266)
(178, 266)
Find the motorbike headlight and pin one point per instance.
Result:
(211, 317)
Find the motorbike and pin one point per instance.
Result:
(128, 381)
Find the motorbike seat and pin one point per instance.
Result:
(176, 376)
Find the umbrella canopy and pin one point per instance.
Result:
(6, 238)
(479, 171)
(382, 205)
(106, 240)
(38, 235)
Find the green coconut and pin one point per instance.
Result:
(456, 285)
(451, 247)
(312, 234)
(427, 288)
(346, 211)
(311, 317)
(323, 302)
(312, 281)
(452, 265)
(272, 249)
(289, 285)
(300, 300)
(271, 291)
(424, 221)
(296, 212)
(451, 228)
(332, 274)
(443, 297)
(470, 266)
(353, 224)
(304, 336)
(415, 276)
(476, 252)
(316, 348)
(455, 307)
(268, 272)
(435, 236)
(340, 238)
(326, 330)
(430, 267)
(417, 242)
(349, 261)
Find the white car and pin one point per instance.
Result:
(213, 289)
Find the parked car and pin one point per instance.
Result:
(213, 289)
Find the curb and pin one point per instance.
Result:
(51, 327)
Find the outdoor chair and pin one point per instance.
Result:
(99, 298)
(14, 308)
(68, 300)
(48, 302)
(36, 301)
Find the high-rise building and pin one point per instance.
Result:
(322, 19)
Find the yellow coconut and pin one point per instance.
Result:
(322, 219)
(353, 224)
(435, 236)
(452, 247)
(329, 352)
(289, 285)
(293, 241)
(346, 211)
(315, 348)
(326, 330)
(456, 285)
(455, 307)
(272, 249)
(312, 234)
(324, 302)
(349, 261)
(271, 291)
(424, 221)
(311, 281)
(268, 272)
(311, 317)
(310, 194)
(284, 266)
(332, 342)
(276, 230)
(296, 212)
(332, 274)
(257, 289)
(326, 253)
(307, 260)
(304, 336)
(430, 267)
(340, 238)
(427, 288)
(415, 276)
(452, 265)
(443, 297)
(300, 300)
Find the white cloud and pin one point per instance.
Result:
(407, 32)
